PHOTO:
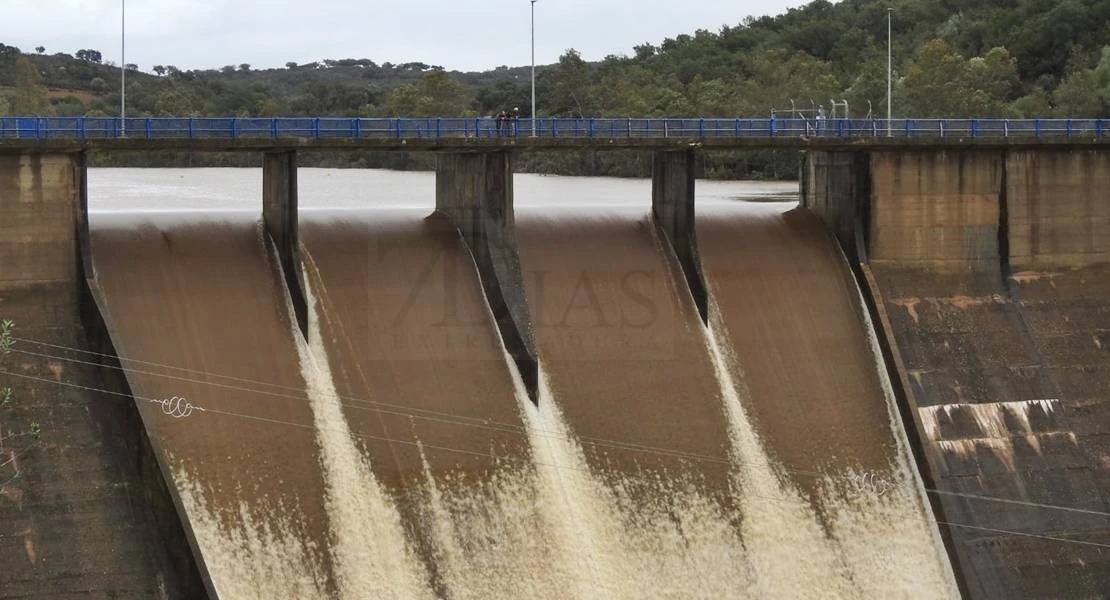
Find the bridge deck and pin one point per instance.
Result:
(74, 134)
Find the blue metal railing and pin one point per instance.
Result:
(157, 128)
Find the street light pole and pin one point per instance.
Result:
(889, 130)
(533, 68)
(123, 68)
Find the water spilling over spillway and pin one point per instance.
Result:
(393, 453)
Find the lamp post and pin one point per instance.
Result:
(889, 130)
(533, 68)
(123, 68)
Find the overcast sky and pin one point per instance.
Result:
(457, 34)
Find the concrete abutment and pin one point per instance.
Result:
(987, 270)
(89, 510)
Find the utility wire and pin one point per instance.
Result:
(1024, 534)
(364, 404)
(555, 466)
(452, 418)
(490, 455)
(1097, 513)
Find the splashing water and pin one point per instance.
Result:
(372, 557)
(251, 552)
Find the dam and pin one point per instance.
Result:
(476, 384)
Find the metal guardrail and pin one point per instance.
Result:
(154, 128)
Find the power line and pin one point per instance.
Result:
(247, 416)
(1024, 534)
(371, 405)
(535, 462)
(462, 420)
(1097, 513)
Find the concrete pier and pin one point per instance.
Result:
(672, 206)
(836, 186)
(475, 190)
(279, 217)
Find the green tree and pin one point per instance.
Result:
(777, 76)
(941, 83)
(1086, 93)
(5, 106)
(30, 95)
(437, 94)
(566, 86)
(1035, 104)
(90, 55)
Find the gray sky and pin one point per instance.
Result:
(459, 34)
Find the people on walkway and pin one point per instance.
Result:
(506, 121)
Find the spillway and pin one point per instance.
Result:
(392, 452)
(200, 303)
(788, 322)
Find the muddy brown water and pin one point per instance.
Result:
(390, 454)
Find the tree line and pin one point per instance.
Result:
(953, 58)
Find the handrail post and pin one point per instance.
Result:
(1037, 127)
(316, 128)
(81, 132)
(591, 127)
(771, 127)
(148, 128)
(1067, 124)
(274, 128)
(189, 125)
(358, 128)
(1006, 128)
(701, 128)
(439, 127)
(1098, 129)
(234, 128)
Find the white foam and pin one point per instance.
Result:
(873, 522)
(251, 551)
(990, 419)
(788, 553)
(371, 556)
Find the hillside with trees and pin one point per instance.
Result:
(987, 58)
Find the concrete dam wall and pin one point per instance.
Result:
(479, 400)
(990, 271)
